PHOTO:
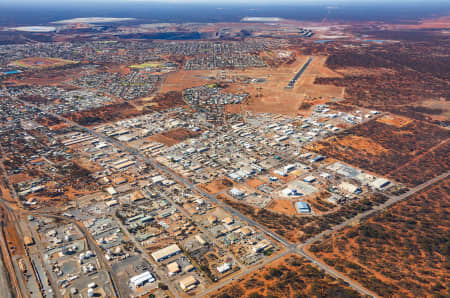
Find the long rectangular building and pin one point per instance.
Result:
(141, 279)
(166, 252)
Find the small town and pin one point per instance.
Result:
(266, 157)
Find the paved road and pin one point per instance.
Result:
(91, 241)
(392, 200)
(243, 273)
(388, 203)
(336, 274)
(156, 267)
(171, 174)
(290, 247)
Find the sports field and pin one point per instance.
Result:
(146, 65)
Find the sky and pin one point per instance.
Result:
(41, 12)
(212, 2)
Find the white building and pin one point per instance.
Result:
(224, 267)
(141, 279)
(350, 188)
(166, 252)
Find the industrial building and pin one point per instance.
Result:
(302, 207)
(380, 183)
(188, 283)
(350, 188)
(166, 252)
(141, 279)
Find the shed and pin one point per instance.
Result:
(188, 283)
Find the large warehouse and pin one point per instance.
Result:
(166, 252)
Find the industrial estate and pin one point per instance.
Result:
(268, 158)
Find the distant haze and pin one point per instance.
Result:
(15, 13)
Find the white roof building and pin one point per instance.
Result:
(111, 190)
(166, 252)
(309, 179)
(380, 183)
(188, 283)
(224, 267)
(235, 192)
(348, 187)
(141, 279)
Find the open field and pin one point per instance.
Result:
(392, 150)
(145, 65)
(270, 96)
(395, 120)
(172, 137)
(216, 186)
(401, 252)
(437, 109)
(284, 206)
(42, 62)
(184, 79)
(274, 98)
(53, 77)
(291, 276)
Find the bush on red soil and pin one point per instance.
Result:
(408, 149)
(103, 114)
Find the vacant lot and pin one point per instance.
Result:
(174, 136)
(42, 62)
(270, 96)
(218, 185)
(402, 252)
(410, 153)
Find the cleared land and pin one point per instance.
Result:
(52, 77)
(146, 65)
(270, 96)
(42, 62)
(218, 185)
(402, 252)
(273, 97)
(175, 136)
(282, 206)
